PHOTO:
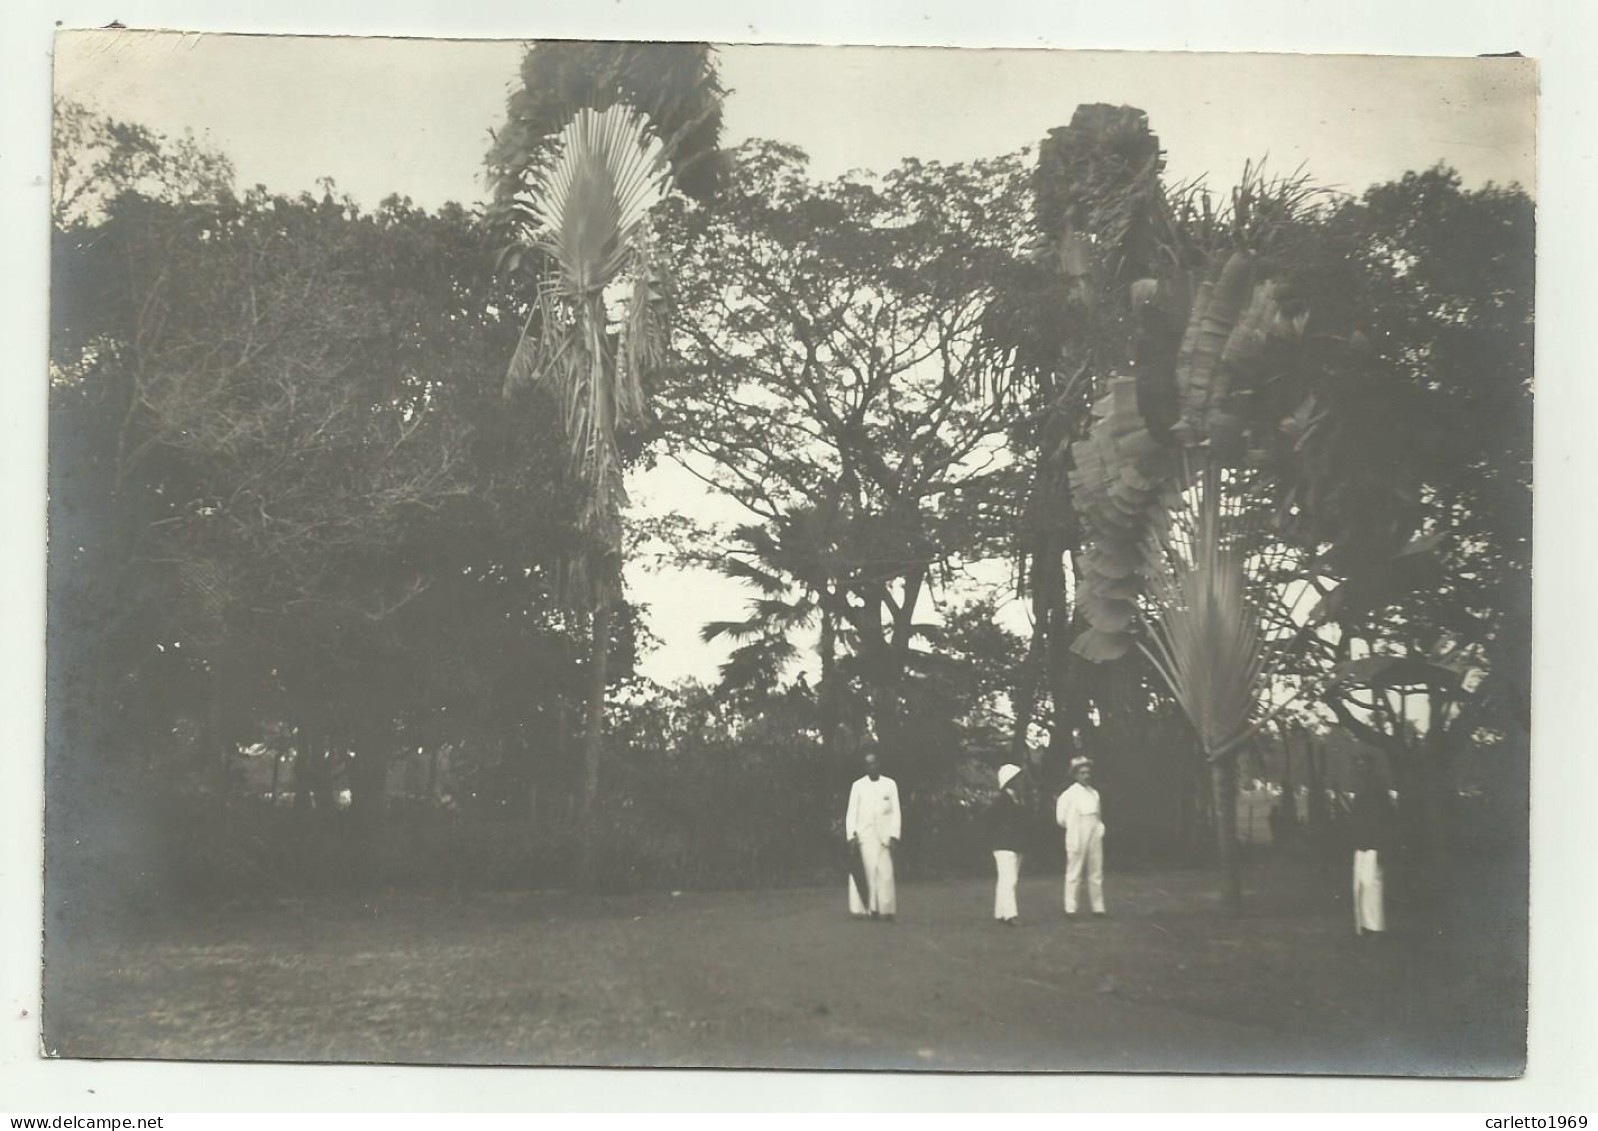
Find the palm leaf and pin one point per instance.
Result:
(759, 664)
(590, 204)
(763, 580)
(1215, 315)
(593, 197)
(732, 629)
(785, 615)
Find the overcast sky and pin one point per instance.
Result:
(386, 115)
(383, 116)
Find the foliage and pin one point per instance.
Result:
(286, 496)
(587, 216)
(576, 186)
(593, 134)
(1067, 320)
(304, 551)
(1279, 400)
(1424, 438)
(94, 158)
(827, 375)
(673, 85)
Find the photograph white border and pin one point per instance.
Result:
(1565, 771)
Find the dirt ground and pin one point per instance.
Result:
(784, 978)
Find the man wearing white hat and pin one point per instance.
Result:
(872, 826)
(1009, 836)
(1077, 812)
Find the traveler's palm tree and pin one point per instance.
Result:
(598, 326)
(580, 196)
(1170, 527)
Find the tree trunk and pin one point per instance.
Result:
(885, 706)
(368, 774)
(1070, 704)
(1026, 691)
(828, 699)
(593, 739)
(898, 659)
(1284, 815)
(307, 782)
(882, 672)
(1195, 801)
(556, 810)
(1421, 780)
(315, 806)
(1315, 782)
(368, 777)
(1223, 792)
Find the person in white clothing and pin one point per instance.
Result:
(872, 826)
(1371, 823)
(1077, 812)
(1007, 829)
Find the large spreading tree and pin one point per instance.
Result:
(827, 377)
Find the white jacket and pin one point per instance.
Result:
(873, 814)
(1078, 807)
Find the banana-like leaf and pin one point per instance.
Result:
(1215, 315)
(1101, 647)
(1154, 507)
(1120, 487)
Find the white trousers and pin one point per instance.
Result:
(882, 899)
(1008, 866)
(1368, 914)
(1084, 854)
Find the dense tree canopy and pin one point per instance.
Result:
(300, 538)
(285, 488)
(829, 379)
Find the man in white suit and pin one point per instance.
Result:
(872, 826)
(1077, 812)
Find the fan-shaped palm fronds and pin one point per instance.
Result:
(595, 195)
(1128, 482)
(789, 595)
(1204, 636)
(590, 206)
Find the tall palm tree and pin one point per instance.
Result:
(598, 323)
(1207, 641)
(648, 116)
(1173, 529)
(590, 210)
(797, 573)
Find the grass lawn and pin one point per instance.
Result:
(784, 978)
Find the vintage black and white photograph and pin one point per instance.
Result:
(602, 553)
